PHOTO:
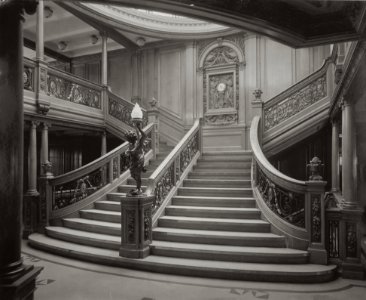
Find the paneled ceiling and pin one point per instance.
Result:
(73, 28)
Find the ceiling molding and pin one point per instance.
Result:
(100, 26)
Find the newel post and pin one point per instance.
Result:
(315, 213)
(136, 226)
(46, 196)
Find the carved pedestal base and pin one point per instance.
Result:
(353, 270)
(21, 287)
(136, 225)
(318, 255)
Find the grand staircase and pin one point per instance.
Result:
(212, 228)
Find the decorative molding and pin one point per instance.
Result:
(221, 119)
(130, 216)
(316, 234)
(28, 78)
(351, 239)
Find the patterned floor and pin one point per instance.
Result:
(64, 278)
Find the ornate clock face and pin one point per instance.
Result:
(221, 87)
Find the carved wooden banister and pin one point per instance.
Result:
(294, 207)
(61, 192)
(163, 182)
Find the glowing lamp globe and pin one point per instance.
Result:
(136, 114)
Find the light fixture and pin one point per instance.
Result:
(94, 39)
(62, 45)
(140, 41)
(48, 12)
(136, 113)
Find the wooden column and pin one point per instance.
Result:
(44, 145)
(347, 157)
(17, 281)
(40, 31)
(32, 160)
(104, 58)
(335, 156)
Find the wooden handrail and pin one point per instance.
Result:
(94, 165)
(270, 171)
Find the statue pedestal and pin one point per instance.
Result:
(136, 226)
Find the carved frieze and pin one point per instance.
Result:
(295, 103)
(221, 119)
(28, 78)
(64, 89)
(315, 219)
(221, 91)
(130, 226)
(351, 239)
(221, 56)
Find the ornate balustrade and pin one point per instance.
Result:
(121, 109)
(59, 194)
(294, 207)
(29, 74)
(68, 87)
(167, 177)
(298, 97)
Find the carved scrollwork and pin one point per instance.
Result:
(351, 239)
(288, 205)
(221, 119)
(74, 191)
(28, 78)
(315, 219)
(130, 226)
(333, 238)
(122, 111)
(66, 90)
(295, 103)
(221, 55)
(147, 225)
(164, 186)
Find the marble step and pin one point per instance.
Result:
(217, 183)
(95, 226)
(218, 237)
(210, 191)
(212, 174)
(218, 165)
(213, 201)
(101, 215)
(213, 212)
(226, 158)
(248, 225)
(309, 273)
(107, 205)
(230, 253)
(221, 171)
(84, 238)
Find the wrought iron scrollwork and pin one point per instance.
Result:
(188, 153)
(65, 89)
(333, 238)
(288, 205)
(316, 219)
(72, 192)
(164, 186)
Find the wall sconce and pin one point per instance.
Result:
(62, 45)
(48, 12)
(94, 39)
(140, 42)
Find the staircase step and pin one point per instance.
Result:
(215, 174)
(217, 183)
(84, 238)
(115, 196)
(308, 273)
(213, 212)
(204, 191)
(226, 158)
(213, 201)
(93, 226)
(108, 205)
(228, 153)
(230, 253)
(101, 215)
(218, 165)
(233, 238)
(214, 224)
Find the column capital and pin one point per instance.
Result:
(46, 125)
(103, 34)
(34, 123)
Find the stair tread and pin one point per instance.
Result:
(102, 212)
(214, 198)
(216, 220)
(215, 188)
(219, 180)
(93, 222)
(188, 263)
(84, 234)
(238, 234)
(213, 208)
(209, 247)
